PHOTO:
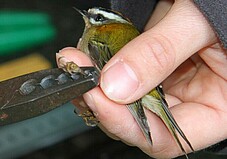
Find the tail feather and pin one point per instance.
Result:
(176, 126)
(155, 102)
(171, 118)
(137, 111)
(171, 128)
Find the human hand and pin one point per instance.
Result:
(182, 51)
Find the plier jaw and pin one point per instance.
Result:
(36, 93)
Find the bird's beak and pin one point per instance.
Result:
(85, 15)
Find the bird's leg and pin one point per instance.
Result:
(88, 117)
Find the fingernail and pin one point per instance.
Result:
(58, 55)
(82, 104)
(119, 81)
(61, 60)
(90, 101)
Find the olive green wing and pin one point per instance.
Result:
(99, 53)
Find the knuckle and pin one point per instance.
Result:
(158, 52)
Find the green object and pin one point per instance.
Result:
(22, 30)
(13, 20)
(17, 40)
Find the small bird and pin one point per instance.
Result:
(106, 32)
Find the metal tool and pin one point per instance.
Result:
(36, 93)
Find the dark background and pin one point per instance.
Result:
(92, 143)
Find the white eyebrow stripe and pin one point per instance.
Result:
(112, 16)
(108, 15)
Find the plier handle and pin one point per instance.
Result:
(36, 93)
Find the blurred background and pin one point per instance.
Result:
(31, 32)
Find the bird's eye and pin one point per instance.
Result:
(99, 18)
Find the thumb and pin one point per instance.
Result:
(151, 57)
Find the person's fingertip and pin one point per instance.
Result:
(73, 54)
